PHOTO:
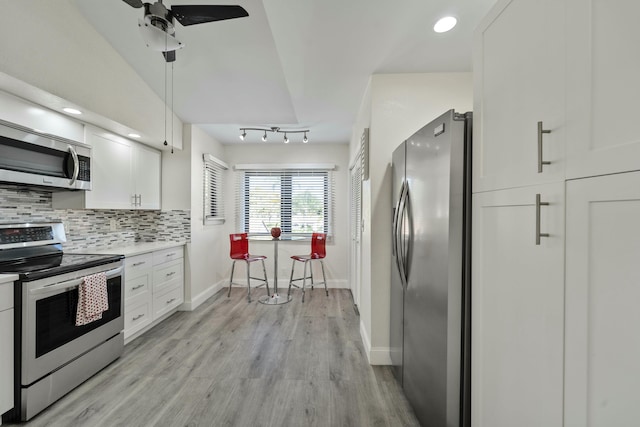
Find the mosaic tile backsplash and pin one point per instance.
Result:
(92, 228)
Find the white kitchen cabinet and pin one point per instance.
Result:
(603, 294)
(154, 288)
(124, 175)
(168, 281)
(517, 308)
(6, 349)
(137, 293)
(603, 88)
(519, 69)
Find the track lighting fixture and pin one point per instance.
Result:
(274, 129)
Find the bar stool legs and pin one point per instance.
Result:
(305, 277)
(249, 278)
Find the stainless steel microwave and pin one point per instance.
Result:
(34, 158)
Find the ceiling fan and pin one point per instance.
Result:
(158, 29)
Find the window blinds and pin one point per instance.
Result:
(299, 201)
(213, 190)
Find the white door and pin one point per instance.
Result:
(517, 308)
(519, 69)
(147, 163)
(355, 228)
(604, 88)
(111, 173)
(602, 367)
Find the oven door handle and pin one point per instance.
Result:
(70, 284)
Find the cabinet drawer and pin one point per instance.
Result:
(134, 266)
(136, 286)
(167, 255)
(167, 300)
(6, 295)
(171, 271)
(137, 317)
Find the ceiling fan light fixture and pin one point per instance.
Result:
(445, 24)
(158, 40)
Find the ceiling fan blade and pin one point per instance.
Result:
(199, 14)
(134, 3)
(169, 56)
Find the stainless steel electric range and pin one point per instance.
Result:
(52, 354)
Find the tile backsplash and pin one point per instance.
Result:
(93, 228)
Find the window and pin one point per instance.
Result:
(213, 190)
(299, 201)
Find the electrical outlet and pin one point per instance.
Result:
(113, 225)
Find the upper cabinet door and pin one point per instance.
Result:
(602, 298)
(147, 176)
(111, 173)
(519, 69)
(604, 88)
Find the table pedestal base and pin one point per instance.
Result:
(275, 299)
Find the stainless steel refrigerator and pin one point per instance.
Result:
(430, 270)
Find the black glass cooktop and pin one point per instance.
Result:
(36, 263)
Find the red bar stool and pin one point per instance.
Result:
(240, 252)
(318, 252)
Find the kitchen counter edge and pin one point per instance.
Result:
(135, 249)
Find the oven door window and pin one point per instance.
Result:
(56, 317)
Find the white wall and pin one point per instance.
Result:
(206, 258)
(400, 105)
(336, 262)
(50, 46)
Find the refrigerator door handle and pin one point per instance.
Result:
(394, 223)
(407, 231)
(399, 242)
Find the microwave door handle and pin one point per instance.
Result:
(69, 284)
(76, 165)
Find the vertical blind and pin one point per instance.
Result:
(299, 201)
(213, 190)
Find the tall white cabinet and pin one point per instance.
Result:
(556, 215)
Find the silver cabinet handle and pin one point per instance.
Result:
(171, 274)
(538, 205)
(171, 300)
(135, 264)
(137, 317)
(139, 199)
(541, 162)
(137, 287)
(171, 254)
(135, 200)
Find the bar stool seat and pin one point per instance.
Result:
(239, 251)
(318, 252)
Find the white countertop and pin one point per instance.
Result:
(134, 249)
(8, 278)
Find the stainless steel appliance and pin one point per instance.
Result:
(34, 158)
(430, 272)
(52, 354)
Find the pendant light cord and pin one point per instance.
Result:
(172, 73)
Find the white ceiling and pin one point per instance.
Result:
(295, 64)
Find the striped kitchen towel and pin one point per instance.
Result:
(92, 299)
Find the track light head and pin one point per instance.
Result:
(274, 129)
(243, 135)
(264, 137)
(305, 139)
(286, 140)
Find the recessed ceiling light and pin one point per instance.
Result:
(71, 111)
(134, 135)
(445, 24)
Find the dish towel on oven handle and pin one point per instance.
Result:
(92, 299)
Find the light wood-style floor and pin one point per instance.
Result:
(229, 363)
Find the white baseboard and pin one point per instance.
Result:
(202, 296)
(375, 355)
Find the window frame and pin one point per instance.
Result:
(213, 208)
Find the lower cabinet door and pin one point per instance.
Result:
(518, 307)
(602, 365)
(6, 360)
(167, 298)
(137, 316)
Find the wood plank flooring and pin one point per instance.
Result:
(229, 363)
